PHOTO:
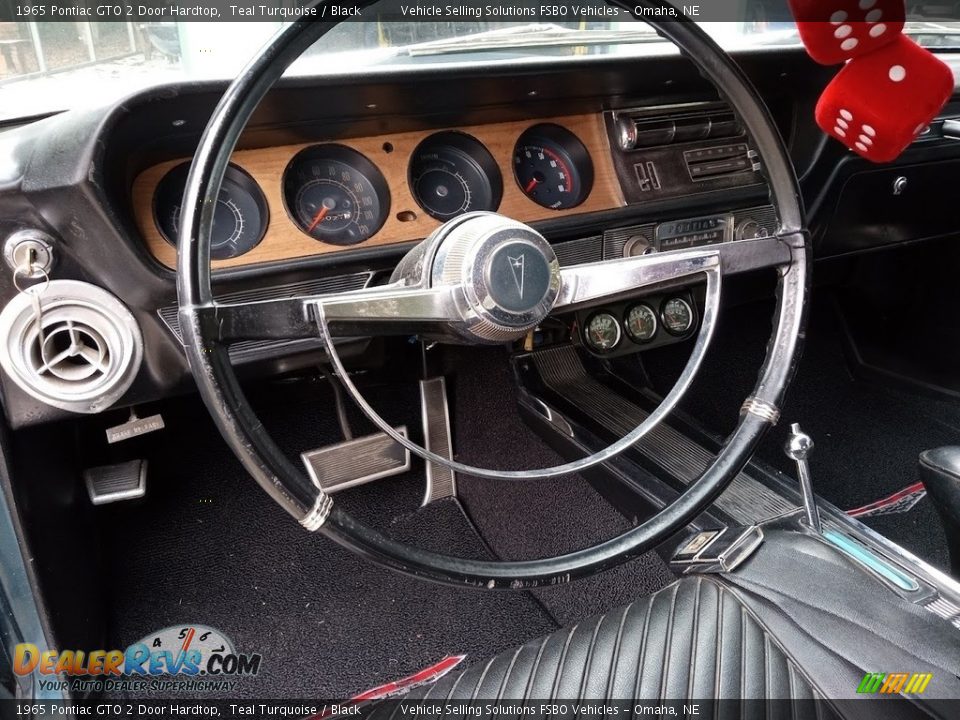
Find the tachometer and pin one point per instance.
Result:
(239, 219)
(552, 167)
(335, 195)
(452, 173)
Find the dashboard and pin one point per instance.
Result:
(308, 199)
(325, 197)
(336, 178)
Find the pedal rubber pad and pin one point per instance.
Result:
(113, 483)
(357, 462)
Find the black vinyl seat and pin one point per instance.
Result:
(797, 621)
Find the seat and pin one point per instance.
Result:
(798, 621)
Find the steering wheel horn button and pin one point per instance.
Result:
(518, 277)
(508, 272)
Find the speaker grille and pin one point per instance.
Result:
(84, 356)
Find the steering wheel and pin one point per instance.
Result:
(461, 283)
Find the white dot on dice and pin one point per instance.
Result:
(842, 31)
(874, 15)
(839, 131)
(842, 123)
(849, 44)
(867, 4)
(838, 17)
(897, 73)
(868, 129)
(878, 30)
(865, 140)
(846, 114)
(861, 147)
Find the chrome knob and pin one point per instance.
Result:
(798, 445)
(798, 448)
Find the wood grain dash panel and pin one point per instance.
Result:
(285, 241)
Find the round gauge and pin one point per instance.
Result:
(602, 332)
(239, 219)
(641, 323)
(677, 316)
(452, 173)
(335, 195)
(194, 643)
(552, 167)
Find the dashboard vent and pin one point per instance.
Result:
(83, 358)
(657, 127)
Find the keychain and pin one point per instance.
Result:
(30, 269)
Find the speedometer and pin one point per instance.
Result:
(335, 195)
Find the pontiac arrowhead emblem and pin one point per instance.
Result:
(517, 266)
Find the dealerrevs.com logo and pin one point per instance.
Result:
(894, 683)
(187, 657)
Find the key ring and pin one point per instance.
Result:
(26, 272)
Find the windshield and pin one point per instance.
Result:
(51, 59)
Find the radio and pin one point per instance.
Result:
(693, 232)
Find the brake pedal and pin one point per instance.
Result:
(112, 483)
(356, 462)
(441, 481)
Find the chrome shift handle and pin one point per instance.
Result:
(797, 448)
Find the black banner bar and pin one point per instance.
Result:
(529, 709)
(384, 11)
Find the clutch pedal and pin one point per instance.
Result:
(356, 462)
(113, 483)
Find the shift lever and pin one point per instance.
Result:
(798, 448)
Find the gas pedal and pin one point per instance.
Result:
(356, 462)
(441, 481)
(112, 483)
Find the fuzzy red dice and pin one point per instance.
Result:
(878, 104)
(835, 31)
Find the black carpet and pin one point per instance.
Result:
(531, 519)
(867, 436)
(207, 546)
(210, 547)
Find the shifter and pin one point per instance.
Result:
(797, 448)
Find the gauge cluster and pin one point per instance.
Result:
(631, 326)
(388, 189)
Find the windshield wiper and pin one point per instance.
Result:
(534, 35)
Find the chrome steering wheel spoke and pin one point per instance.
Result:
(590, 283)
(408, 307)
